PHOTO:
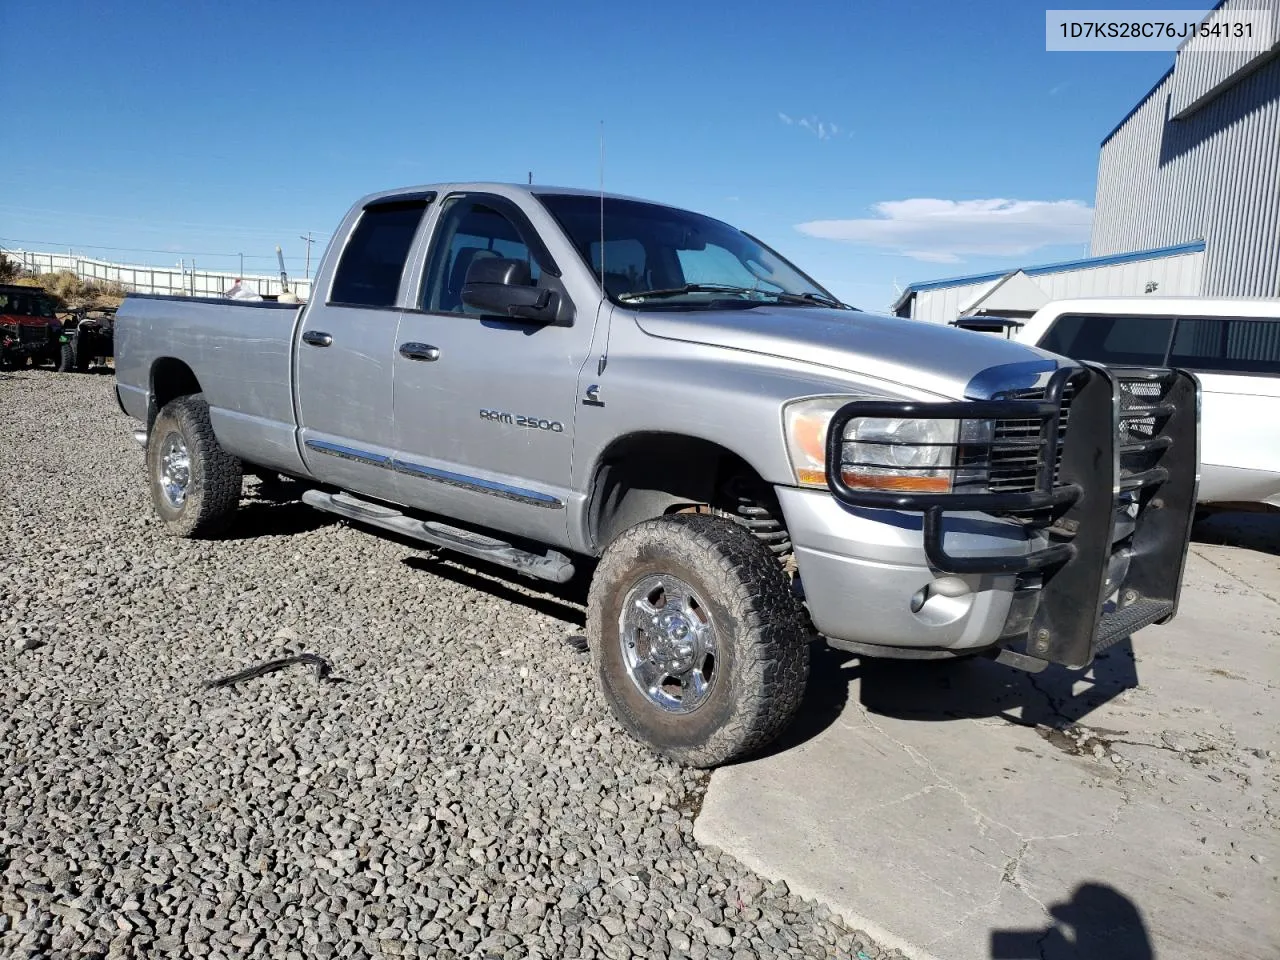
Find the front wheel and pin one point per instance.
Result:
(195, 484)
(700, 648)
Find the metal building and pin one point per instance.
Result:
(1199, 159)
(1171, 271)
(1188, 197)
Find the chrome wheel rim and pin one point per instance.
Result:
(668, 643)
(175, 469)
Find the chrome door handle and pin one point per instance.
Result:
(316, 338)
(419, 351)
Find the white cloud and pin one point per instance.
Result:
(931, 256)
(822, 129)
(945, 231)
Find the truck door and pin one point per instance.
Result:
(484, 405)
(345, 350)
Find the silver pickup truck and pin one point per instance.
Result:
(559, 381)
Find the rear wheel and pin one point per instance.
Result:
(699, 645)
(67, 358)
(195, 484)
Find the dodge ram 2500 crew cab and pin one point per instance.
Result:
(555, 381)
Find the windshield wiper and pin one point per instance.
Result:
(687, 288)
(820, 299)
(754, 293)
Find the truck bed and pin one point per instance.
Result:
(239, 351)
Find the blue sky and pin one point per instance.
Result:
(868, 142)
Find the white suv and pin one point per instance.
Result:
(1231, 345)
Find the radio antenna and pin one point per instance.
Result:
(602, 210)
(604, 356)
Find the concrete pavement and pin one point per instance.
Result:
(965, 811)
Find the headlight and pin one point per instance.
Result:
(892, 454)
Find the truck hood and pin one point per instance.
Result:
(912, 353)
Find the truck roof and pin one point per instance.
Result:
(502, 189)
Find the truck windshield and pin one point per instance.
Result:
(657, 257)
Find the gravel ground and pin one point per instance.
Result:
(457, 790)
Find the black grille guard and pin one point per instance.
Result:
(1118, 492)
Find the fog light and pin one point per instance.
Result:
(942, 601)
(918, 598)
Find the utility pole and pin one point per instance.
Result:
(307, 272)
(242, 266)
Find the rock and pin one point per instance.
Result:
(438, 803)
(719, 937)
(613, 926)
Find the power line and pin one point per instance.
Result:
(149, 222)
(173, 253)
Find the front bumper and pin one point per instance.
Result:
(1093, 548)
(862, 568)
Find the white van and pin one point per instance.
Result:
(1232, 345)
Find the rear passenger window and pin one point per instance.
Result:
(1227, 345)
(368, 274)
(1115, 340)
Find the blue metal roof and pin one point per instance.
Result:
(1195, 246)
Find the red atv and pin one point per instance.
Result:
(28, 327)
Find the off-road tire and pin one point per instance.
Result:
(762, 637)
(213, 491)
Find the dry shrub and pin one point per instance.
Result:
(72, 292)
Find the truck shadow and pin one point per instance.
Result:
(256, 519)
(980, 688)
(1250, 531)
(948, 690)
(565, 603)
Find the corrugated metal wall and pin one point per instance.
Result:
(1200, 72)
(1213, 176)
(1174, 276)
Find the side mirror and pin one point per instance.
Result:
(505, 287)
